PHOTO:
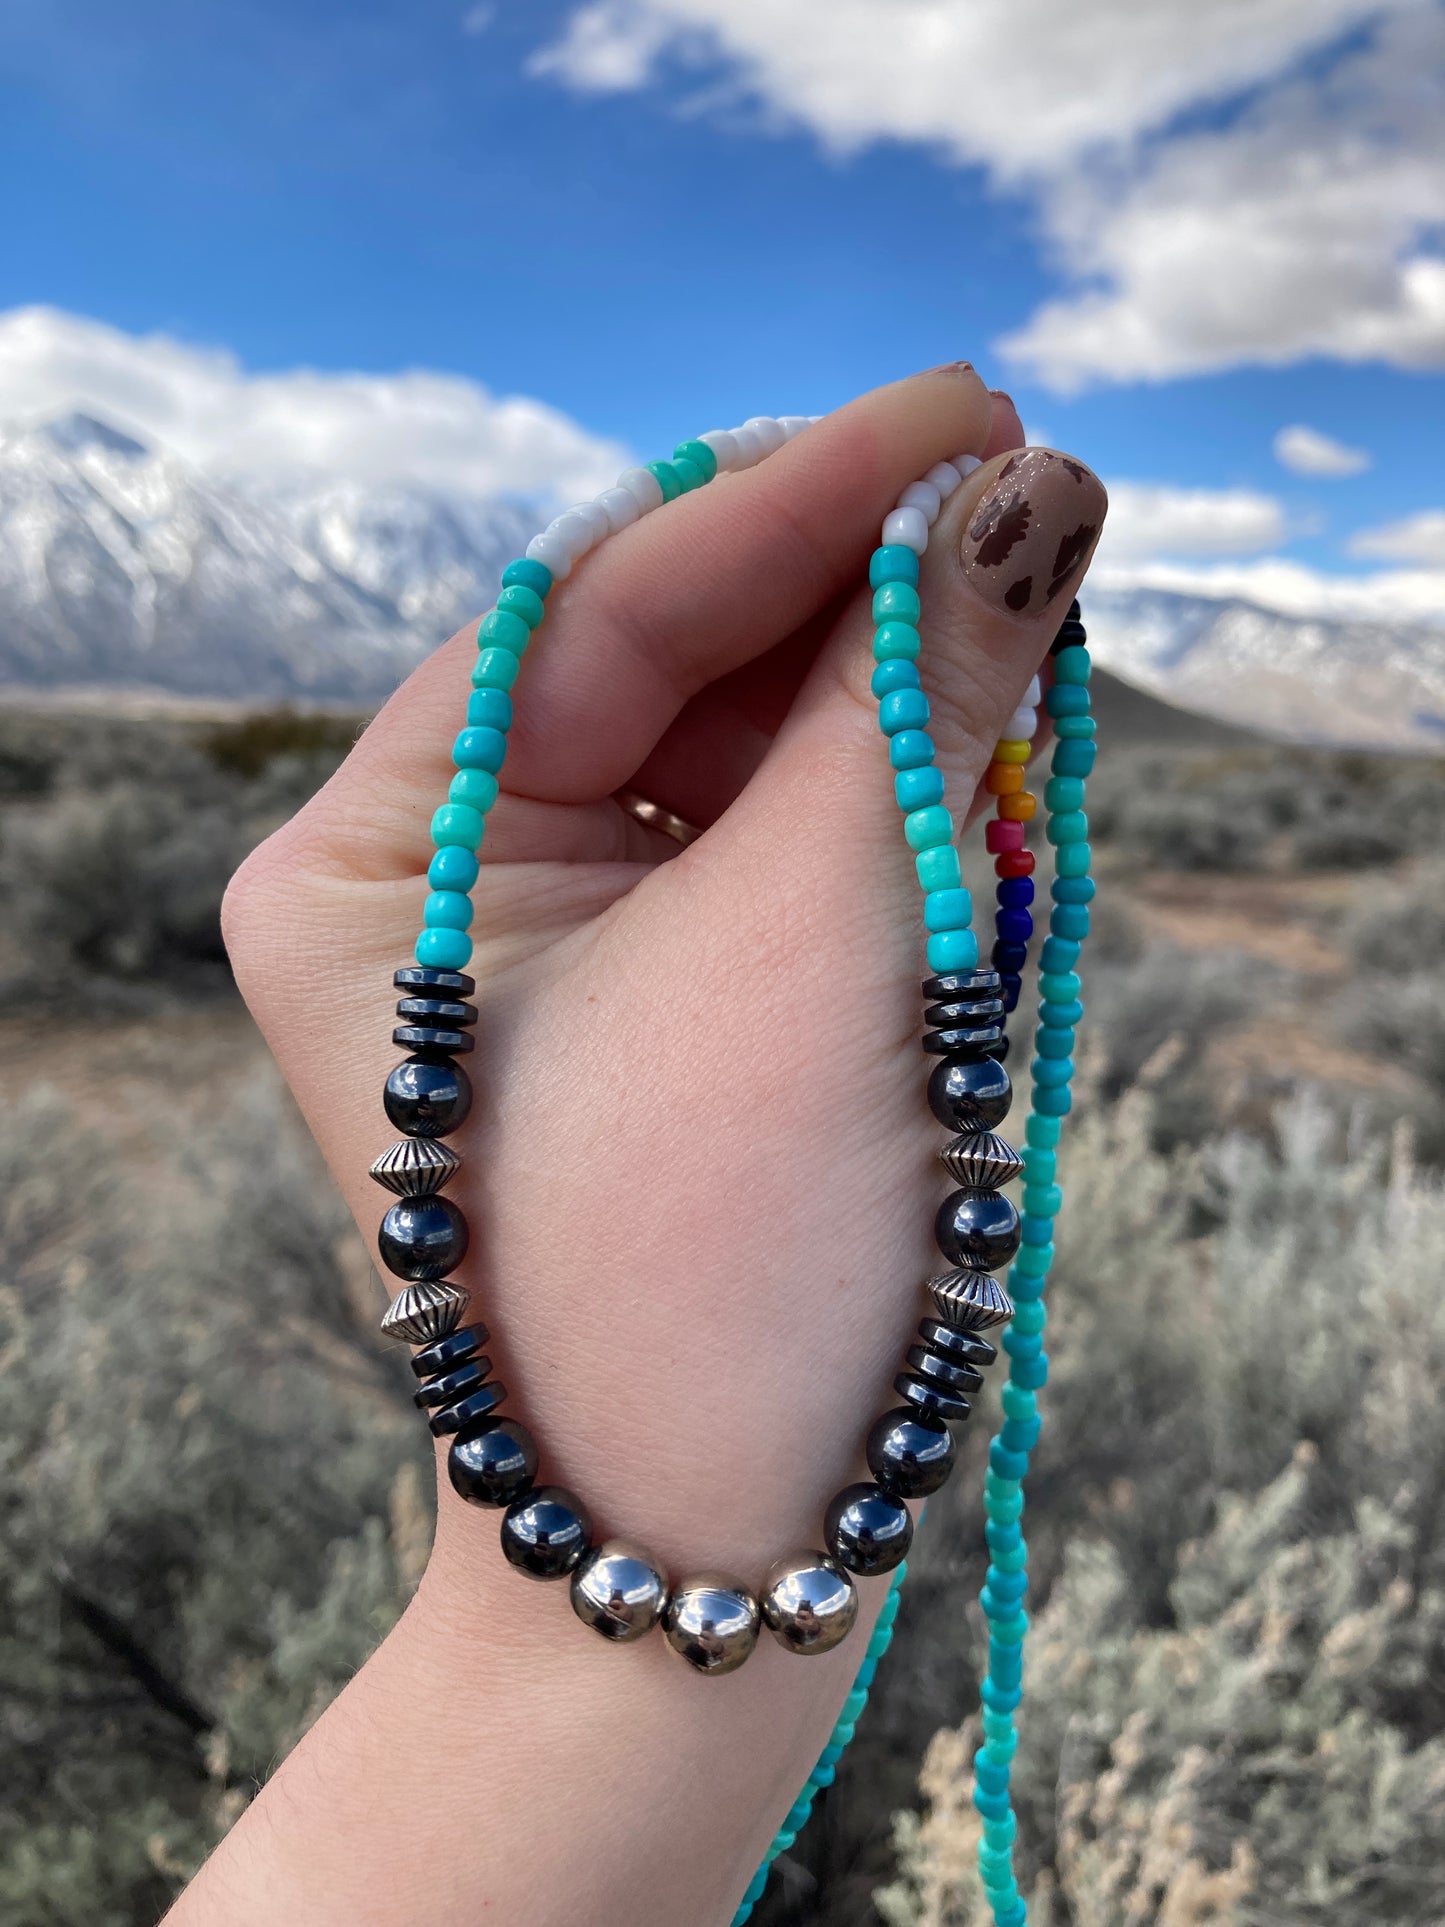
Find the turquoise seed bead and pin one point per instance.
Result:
(475, 787)
(1000, 1833)
(905, 709)
(1043, 1200)
(993, 1806)
(1015, 1915)
(897, 639)
(1064, 793)
(1008, 1585)
(853, 1705)
(496, 669)
(1073, 758)
(1033, 1372)
(1005, 1662)
(1028, 1319)
(988, 1773)
(996, 1487)
(889, 1609)
(667, 479)
(1075, 728)
(897, 672)
(1070, 920)
(1018, 1404)
(1059, 987)
(489, 709)
(918, 789)
(1054, 1043)
(822, 1776)
(1073, 889)
(1059, 1014)
(897, 602)
(452, 868)
(1043, 1131)
(996, 1725)
(926, 827)
(688, 474)
(1040, 1167)
(910, 749)
(865, 1674)
(1010, 1631)
(1003, 1536)
(1067, 699)
(947, 910)
(1002, 1699)
(843, 1733)
(1073, 859)
(700, 455)
(953, 950)
(443, 949)
(1069, 826)
(1072, 664)
(939, 868)
(457, 823)
(524, 603)
(500, 629)
(535, 576)
(1056, 1101)
(1057, 955)
(1021, 1344)
(448, 910)
(894, 562)
(1013, 1464)
(1033, 1262)
(1035, 1231)
(782, 1841)
(480, 749)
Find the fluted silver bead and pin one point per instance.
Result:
(416, 1167)
(809, 1603)
(712, 1622)
(618, 1592)
(422, 1313)
(970, 1301)
(981, 1160)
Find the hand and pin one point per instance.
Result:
(699, 1170)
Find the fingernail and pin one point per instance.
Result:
(1002, 394)
(951, 368)
(1030, 535)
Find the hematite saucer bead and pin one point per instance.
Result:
(449, 1352)
(931, 1400)
(979, 1041)
(910, 1455)
(961, 987)
(981, 1160)
(445, 1043)
(417, 980)
(436, 1011)
(428, 1097)
(618, 1593)
(424, 1312)
(493, 1463)
(809, 1603)
(447, 1387)
(970, 1300)
(867, 1529)
(978, 1229)
(969, 1094)
(711, 1622)
(422, 1238)
(546, 1533)
(965, 1348)
(989, 1010)
(414, 1167)
(468, 1412)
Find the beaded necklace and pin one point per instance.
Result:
(809, 1601)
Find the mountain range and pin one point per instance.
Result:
(122, 567)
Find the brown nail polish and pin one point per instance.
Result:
(1030, 534)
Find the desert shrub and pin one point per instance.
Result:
(253, 743)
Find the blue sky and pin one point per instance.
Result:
(656, 216)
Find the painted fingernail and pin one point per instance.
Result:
(1031, 533)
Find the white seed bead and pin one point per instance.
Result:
(620, 507)
(720, 441)
(574, 531)
(768, 432)
(749, 446)
(944, 477)
(551, 553)
(908, 527)
(596, 518)
(643, 486)
(923, 496)
(966, 464)
(792, 425)
(1021, 725)
(1034, 694)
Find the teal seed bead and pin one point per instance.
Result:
(443, 949)
(991, 1864)
(1072, 664)
(500, 629)
(894, 562)
(457, 823)
(953, 950)
(918, 789)
(1075, 729)
(926, 827)
(1051, 1073)
(1057, 955)
(1033, 1372)
(996, 1487)
(688, 474)
(1022, 1435)
(667, 479)
(1015, 1464)
(822, 1776)
(1067, 699)
(939, 868)
(1064, 793)
(480, 749)
(1056, 1101)
(1009, 1586)
(489, 709)
(889, 1611)
(1069, 826)
(1018, 1404)
(1070, 920)
(700, 455)
(535, 576)
(897, 672)
(1040, 1167)
(853, 1705)
(1043, 1200)
(903, 710)
(1000, 1833)
(1033, 1261)
(1035, 1231)
(475, 787)
(1001, 1698)
(495, 668)
(1016, 1558)
(897, 602)
(1073, 859)
(1059, 987)
(1054, 1043)
(782, 1841)
(947, 910)
(910, 749)
(1073, 758)
(843, 1733)
(1029, 1319)
(896, 639)
(1010, 1631)
(991, 1775)
(1003, 1536)
(864, 1677)
(452, 868)
(1060, 1014)
(1021, 1344)
(1043, 1131)
(448, 910)
(1073, 889)
(996, 1725)
(524, 603)
(993, 1806)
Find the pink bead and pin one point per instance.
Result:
(1001, 835)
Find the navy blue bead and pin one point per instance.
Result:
(1016, 893)
(1011, 984)
(1009, 959)
(1014, 926)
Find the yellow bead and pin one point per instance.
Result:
(1011, 752)
(1017, 808)
(1002, 779)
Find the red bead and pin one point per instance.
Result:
(1000, 836)
(1015, 863)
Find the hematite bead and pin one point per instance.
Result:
(980, 1042)
(966, 1016)
(422, 1237)
(867, 1529)
(970, 1300)
(809, 1603)
(910, 1455)
(448, 1387)
(618, 1593)
(961, 987)
(415, 1166)
(969, 1094)
(449, 1352)
(437, 1012)
(931, 1400)
(445, 1043)
(546, 1533)
(979, 1229)
(417, 980)
(493, 1463)
(712, 1622)
(468, 1412)
(964, 1347)
(948, 1374)
(427, 1097)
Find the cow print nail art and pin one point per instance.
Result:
(1029, 536)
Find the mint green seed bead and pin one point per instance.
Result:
(939, 868)
(1005, 1509)
(1072, 664)
(1075, 729)
(843, 1733)
(495, 669)
(475, 787)
(1000, 1833)
(894, 562)
(700, 455)
(1064, 793)
(879, 1643)
(457, 823)
(448, 910)
(523, 603)
(1017, 1559)
(1029, 1319)
(1059, 986)
(667, 479)
(1010, 1631)
(1017, 1403)
(928, 827)
(853, 1705)
(992, 1861)
(952, 950)
(918, 789)
(689, 475)
(897, 602)
(500, 629)
(1070, 826)
(947, 910)
(1043, 1131)
(996, 1725)
(443, 949)
(1001, 1750)
(1073, 859)
(896, 639)
(1033, 1261)
(1040, 1166)
(995, 1482)
(1043, 1200)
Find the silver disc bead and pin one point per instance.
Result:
(617, 1592)
(712, 1622)
(982, 1160)
(970, 1301)
(424, 1312)
(415, 1167)
(809, 1603)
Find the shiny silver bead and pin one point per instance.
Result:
(617, 1592)
(809, 1603)
(970, 1301)
(422, 1313)
(981, 1160)
(712, 1622)
(415, 1167)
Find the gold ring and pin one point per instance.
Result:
(656, 817)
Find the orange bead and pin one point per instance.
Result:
(1018, 808)
(1003, 779)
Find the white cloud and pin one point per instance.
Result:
(1149, 520)
(1307, 452)
(439, 430)
(476, 20)
(1292, 588)
(1419, 538)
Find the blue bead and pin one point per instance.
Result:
(1031, 1373)
(1003, 1535)
(988, 1774)
(1014, 926)
(531, 575)
(1008, 1465)
(1016, 893)
(447, 910)
(1058, 954)
(910, 749)
(953, 950)
(999, 1699)
(896, 673)
(1010, 957)
(993, 1806)
(1049, 1073)
(452, 868)
(1070, 920)
(1035, 1231)
(1073, 889)
(443, 949)
(1021, 1344)
(1010, 988)
(489, 709)
(904, 709)
(480, 749)
(918, 789)
(947, 910)
(1060, 1016)
(894, 562)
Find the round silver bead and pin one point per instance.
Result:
(712, 1622)
(809, 1603)
(617, 1592)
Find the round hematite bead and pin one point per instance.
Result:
(809, 1603)
(977, 1229)
(546, 1533)
(910, 1455)
(427, 1097)
(618, 1593)
(494, 1464)
(712, 1622)
(422, 1238)
(867, 1529)
(969, 1094)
